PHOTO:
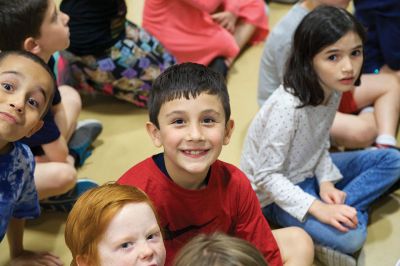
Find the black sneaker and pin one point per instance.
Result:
(65, 202)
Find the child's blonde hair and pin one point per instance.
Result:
(219, 250)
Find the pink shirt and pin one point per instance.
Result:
(186, 29)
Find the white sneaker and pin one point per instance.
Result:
(330, 257)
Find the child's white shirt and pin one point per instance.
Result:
(284, 146)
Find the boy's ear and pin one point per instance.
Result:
(154, 133)
(32, 46)
(230, 125)
(38, 126)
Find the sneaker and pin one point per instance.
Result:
(386, 146)
(65, 202)
(330, 257)
(85, 134)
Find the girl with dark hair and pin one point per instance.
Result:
(286, 152)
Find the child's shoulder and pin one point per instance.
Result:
(229, 173)
(20, 156)
(281, 99)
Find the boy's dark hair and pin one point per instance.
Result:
(321, 27)
(38, 60)
(186, 80)
(20, 19)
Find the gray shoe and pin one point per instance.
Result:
(330, 257)
(85, 134)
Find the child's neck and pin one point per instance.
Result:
(5, 147)
(327, 97)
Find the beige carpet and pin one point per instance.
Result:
(124, 142)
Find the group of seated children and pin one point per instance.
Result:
(316, 196)
(368, 114)
(62, 144)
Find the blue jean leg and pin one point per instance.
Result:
(322, 234)
(366, 176)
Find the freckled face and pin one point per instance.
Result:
(133, 238)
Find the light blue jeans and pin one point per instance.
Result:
(367, 175)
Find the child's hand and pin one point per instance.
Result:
(331, 195)
(226, 19)
(30, 258)
(340, 216)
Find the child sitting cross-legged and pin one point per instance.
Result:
(286, 151)
(192, 190)
(62, 143)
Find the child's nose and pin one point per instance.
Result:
(65, 18)
(18, 108)
(195, 133)
(145, 252)
(18, 104)
(347, 65)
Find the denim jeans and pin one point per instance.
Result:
(367, 175)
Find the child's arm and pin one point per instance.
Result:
(20, 256)
(56, 151)
(251, 224)
(331, 195)
(60, 117)
(273, 151)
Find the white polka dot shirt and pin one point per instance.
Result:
(284, 145)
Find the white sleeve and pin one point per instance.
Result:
(278, 133)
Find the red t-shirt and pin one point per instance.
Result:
(228, 204)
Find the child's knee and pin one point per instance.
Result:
(350, 242)
(303, 242)
(66, 179)
(295, 245)
(364, 135)
(70, 95)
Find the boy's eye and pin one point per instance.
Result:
(126, 245)
(208, 120)
(178, 121)
(32, 102)
(7, 86)
(153, 236)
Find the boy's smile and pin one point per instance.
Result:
(25, 90)
(192, 132)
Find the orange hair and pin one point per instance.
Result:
(91, 215)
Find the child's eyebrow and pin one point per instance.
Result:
(212, 111)
(12, 72)
(338, 50)
(22, 76)
(43, 92)
(177, 112)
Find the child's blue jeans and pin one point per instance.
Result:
(367, 175)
